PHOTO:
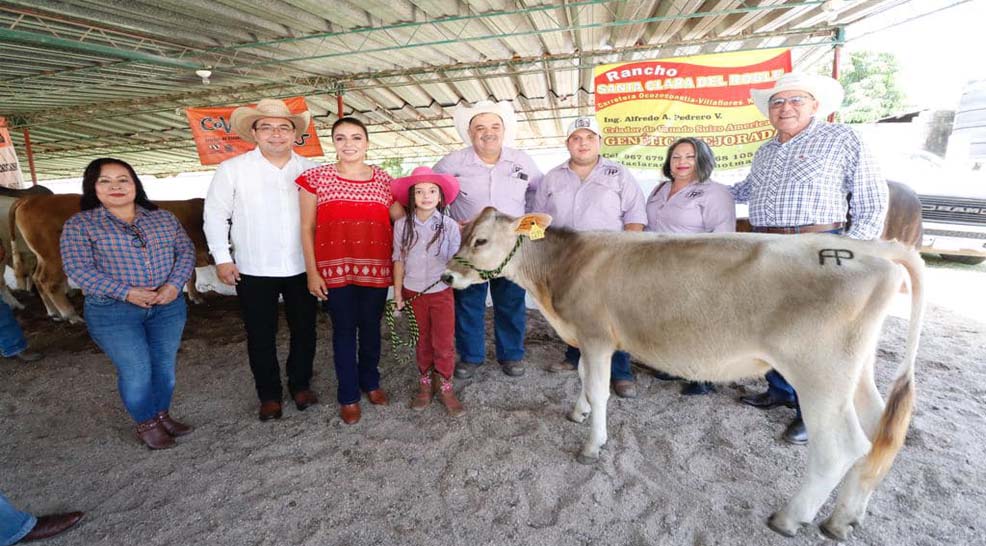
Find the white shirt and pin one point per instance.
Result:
(261, 200)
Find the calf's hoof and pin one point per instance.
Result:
(782, 525)
(837, 531)
(577, 416)
(587, 459)
(76, 319)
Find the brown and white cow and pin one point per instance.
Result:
(39, 220)
(723, 307)
(9, 196)
(903, 221)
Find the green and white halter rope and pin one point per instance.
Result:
(399, 344)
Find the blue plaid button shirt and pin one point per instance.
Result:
(106, 256)
(806, 179)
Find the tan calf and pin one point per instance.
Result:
(723, 308)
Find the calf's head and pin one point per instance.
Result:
(488, 244)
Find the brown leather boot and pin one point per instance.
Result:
(423, 398)
(153, 435)
(172, 427)
(447, 396)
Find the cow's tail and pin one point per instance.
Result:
(897, 414)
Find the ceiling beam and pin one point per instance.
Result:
(431, 74)
(35, 39)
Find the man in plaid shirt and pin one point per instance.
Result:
(809, 179)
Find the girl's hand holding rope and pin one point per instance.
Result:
(392, 310)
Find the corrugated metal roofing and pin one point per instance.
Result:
(112, 77)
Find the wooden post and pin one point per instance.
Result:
(30, 156)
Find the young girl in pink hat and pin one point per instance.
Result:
(424, 241)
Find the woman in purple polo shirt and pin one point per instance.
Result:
(131, 260)
(689, 202)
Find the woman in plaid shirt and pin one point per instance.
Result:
(132, 261)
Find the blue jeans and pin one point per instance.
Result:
(509, 321)
(142, 344)
(779, 388)
(12, 340)
(14, 524)
(356, 312)
(619, 365)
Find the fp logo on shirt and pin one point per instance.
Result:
(518, 172)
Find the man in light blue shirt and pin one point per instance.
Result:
(799, 183)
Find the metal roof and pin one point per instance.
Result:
(92, 78)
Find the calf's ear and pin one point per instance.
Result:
(531, 225)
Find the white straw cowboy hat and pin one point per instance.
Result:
(464, 114)
(243, 118)
(827, 91)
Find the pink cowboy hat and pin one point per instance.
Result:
(448, 183)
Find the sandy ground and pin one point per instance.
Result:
(677, 470)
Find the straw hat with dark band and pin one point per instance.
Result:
(244, 117)
(826, 91)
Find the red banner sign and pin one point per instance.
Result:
(216, 142)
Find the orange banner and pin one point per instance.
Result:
(216, 142)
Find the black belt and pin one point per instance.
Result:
(810, 228)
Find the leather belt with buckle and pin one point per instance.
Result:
(810, 228)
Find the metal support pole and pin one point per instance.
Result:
(30, 155)
(339, 104)
(840, 36)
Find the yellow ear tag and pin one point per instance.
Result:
(536, 232)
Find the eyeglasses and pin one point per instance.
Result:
(273, 129)
(138, 238)
(796, 101)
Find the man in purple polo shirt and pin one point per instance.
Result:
(590, 192)
(490, 174)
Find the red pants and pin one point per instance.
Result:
(435, 314)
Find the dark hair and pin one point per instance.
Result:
(409, 236)
(91, 174)
(705, 160)
(351, 121)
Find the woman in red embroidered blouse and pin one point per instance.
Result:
(346, 235)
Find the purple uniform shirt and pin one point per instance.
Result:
(508, 186)
(106, 256)
(423, 266)
(607, 199)
(704, 207)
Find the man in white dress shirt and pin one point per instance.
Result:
(253, 228)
